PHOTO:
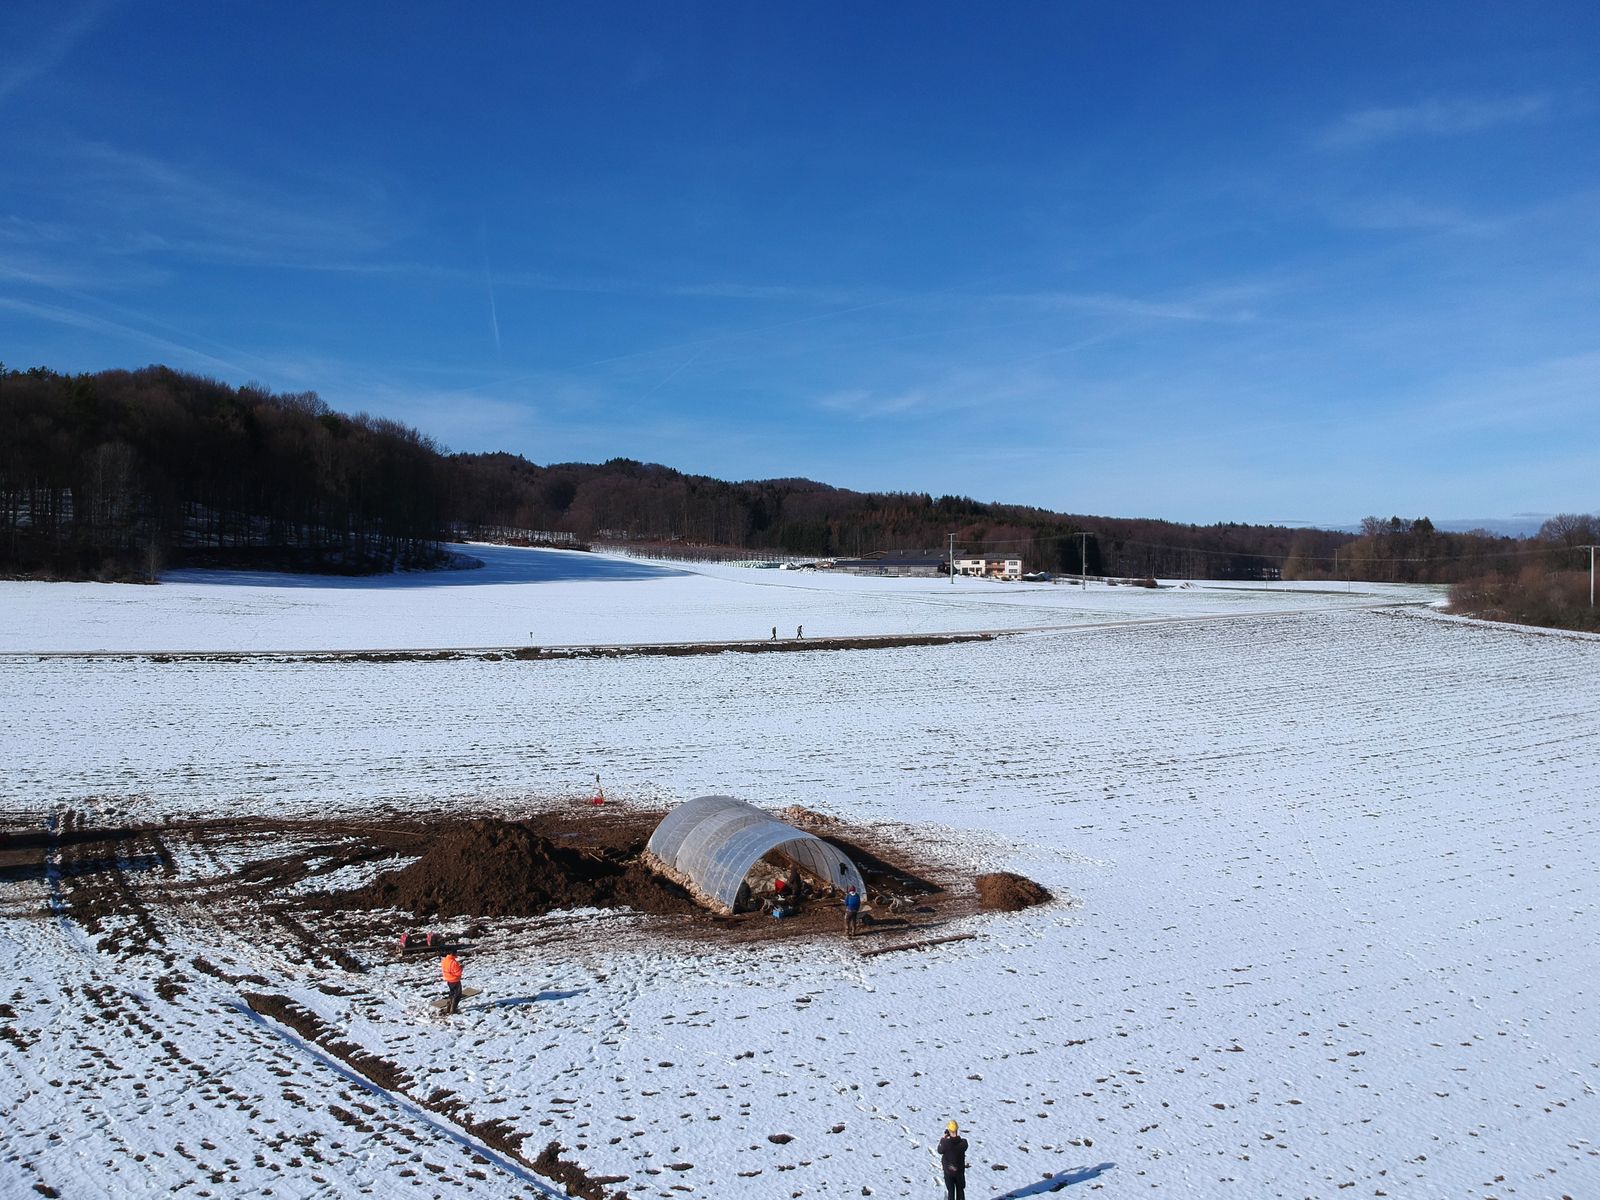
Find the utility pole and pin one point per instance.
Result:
(1591, 551)
(1083, 571)
(952, 560)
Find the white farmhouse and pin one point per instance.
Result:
(992, 568)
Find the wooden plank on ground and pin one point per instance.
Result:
(918, 945)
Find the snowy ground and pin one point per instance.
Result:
(555, 598)
(1335, 924)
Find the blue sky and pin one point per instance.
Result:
(1271, 262)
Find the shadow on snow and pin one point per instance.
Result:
(519, 1001)
(501, 564)
(40, 870)
(1056, 1183)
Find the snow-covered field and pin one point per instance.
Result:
(1332, 927)
(558, 598)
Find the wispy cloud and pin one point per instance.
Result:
(23, 64)
(1222, 305)
(455, 420)
(1435, 117)
(936, 388)
(1228, 306)
(1547, 394)
(864, 404)
(27, 267)
(779, 292)
(53, 255)
(77, 319)
(155, 206)
(1405, 214)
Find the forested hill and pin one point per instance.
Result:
(643, 502)
(114, 474)
(111, 475)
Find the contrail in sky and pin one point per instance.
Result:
(671, 375)
(488, 280)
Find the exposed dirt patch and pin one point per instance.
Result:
(541, 653)
(810, 818)
(498, 1135)
(574, 1178)
(766, 646)
(492, 868)
(314, 1029)
(1003, 891)
(99, 892)
(206, 967)
(259, 879)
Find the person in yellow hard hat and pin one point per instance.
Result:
(953, 1158)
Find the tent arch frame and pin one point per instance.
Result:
(709, 844)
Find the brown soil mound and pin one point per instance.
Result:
(493, 868)
(1005, 892)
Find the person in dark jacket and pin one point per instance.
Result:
(953, 1158)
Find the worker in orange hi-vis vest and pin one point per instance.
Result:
(450, 968)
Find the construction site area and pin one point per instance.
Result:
(350, 890)
(326, 933)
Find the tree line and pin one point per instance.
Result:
(644, 503)
(116, 473)
(110, 475)
(1551, 583)
(1403, 550)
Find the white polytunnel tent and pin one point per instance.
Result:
(710, 843)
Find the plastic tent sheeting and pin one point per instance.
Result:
(715, 840)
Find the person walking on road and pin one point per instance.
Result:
(774, 633)
(450, 968)
(953, 1158)
(799, 632)
(852, 912)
